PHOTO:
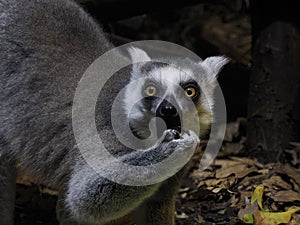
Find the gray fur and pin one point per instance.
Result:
(46, 46)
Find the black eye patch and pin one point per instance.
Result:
(149, 101)
(151, 83)
(192, 84)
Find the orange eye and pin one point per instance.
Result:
(150, 90)
(190, 92)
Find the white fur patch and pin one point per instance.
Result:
(215, 64)
(170, 77)
(132, 94)
(138, 54)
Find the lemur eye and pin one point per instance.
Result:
(150, 90)
(190, 92)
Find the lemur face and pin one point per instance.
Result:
(171, 92)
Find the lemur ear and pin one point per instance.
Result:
(215, 63)
(137, 55)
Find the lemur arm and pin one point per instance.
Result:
(160, 208)
(96, 199)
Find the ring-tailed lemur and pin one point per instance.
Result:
(46, 46)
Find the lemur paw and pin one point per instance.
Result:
(189, 138)
(170, 135)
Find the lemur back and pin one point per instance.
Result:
(45, 48)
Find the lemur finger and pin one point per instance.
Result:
(170, 135)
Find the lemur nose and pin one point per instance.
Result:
(166, 109)
(169, 113)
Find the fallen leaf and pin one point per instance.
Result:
(296, 145)
(226, 162)
(248, 161)
(48, 191)
(200, 219)
(181, 216)
(248, 218)
(294, 155)
(276, 181)
(291, 172)
(249, 209)
(274, 218)
(246, 182)
(181, 190)
(285, 196)
(232, 148)
(216, 190)
(257, 195)
(183, 195)
(239, 170)
(234, 200)
(200, 175)
(212, 182)
(295, 220)
(259, 219)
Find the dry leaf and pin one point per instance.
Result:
(239, 170)
(232, 148)
(248, 161)
(200, 219)
(181, 190)
(183, 195)
(286, 196)
(234, 200)
(277, 181)
(200, 175)
(294, 156)
(296, 145)
(217, 190)
(295, 220)
(249, 209)
(291, 172)
(48, 191)
(274, 218)
(247, 182)
(226, 162)
(211, 182)
(181, 216)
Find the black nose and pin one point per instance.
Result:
(166, 110)
(169, 114)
